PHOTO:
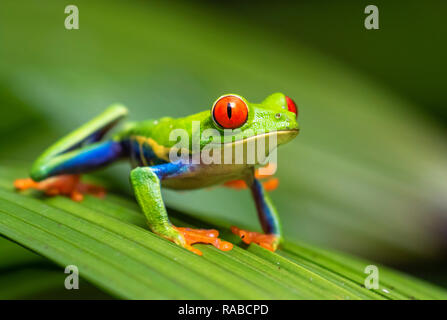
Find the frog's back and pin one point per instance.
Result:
(140, 128)
(160, 129)
(149, 142)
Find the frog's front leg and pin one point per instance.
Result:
(268, 217)
(147, 187)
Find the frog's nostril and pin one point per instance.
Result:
(278, 116)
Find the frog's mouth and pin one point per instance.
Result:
(251, 150)
(282, 137)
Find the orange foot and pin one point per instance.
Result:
(203, 236)
(270, 183)
(267, 241)
(69, 185)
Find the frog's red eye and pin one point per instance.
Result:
(291, 105)
(230, 112)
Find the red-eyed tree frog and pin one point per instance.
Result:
(231, 122)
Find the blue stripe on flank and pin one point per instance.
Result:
(149, 155)
(169, 170)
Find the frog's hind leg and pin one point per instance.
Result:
(58, 169)
(146, 182)
(62, 174)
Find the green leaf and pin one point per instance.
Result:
(108, 241)
(359, 142)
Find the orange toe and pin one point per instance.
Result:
(76, 196)
(207, 236)
(23, 184)
(271, 184)
(264, 174)
(236, 184)
(267, 241)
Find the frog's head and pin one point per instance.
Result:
(275, 116)
(277, 113)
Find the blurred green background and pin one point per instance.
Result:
(366, 175)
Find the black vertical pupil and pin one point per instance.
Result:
(229, 110)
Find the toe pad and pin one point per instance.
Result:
(267, 241)
(206, 236)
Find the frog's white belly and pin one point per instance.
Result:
(200, 176)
